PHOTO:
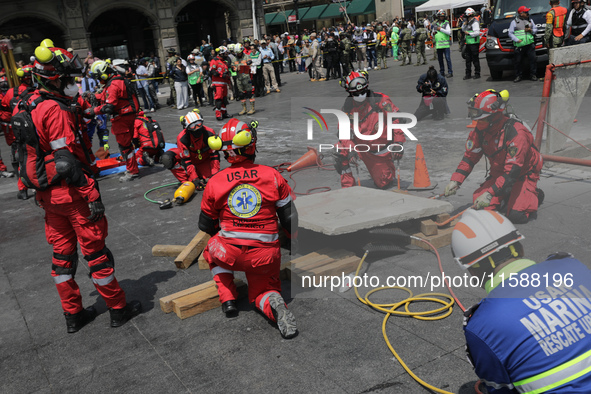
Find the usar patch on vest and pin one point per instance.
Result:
(512, 150)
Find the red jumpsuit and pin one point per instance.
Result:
(195, 157)
(245, 198)
(379, 160)
(220, 80)
(9, 102)
(147, 142)
(5, 128)
(66, 211)
(125, 107)
(515, 165)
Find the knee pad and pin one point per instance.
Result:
(518, 217)
(72, 258)
(110, 263)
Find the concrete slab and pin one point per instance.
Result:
(348, 210)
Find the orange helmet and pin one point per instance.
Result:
(486, 103)
(237, 139)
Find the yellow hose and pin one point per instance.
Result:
(390, 309)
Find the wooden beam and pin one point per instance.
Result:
(166, 302)
(167, 250)
(192, 250)
(203, 265)
(428, 227)
(441, 239)
(442, 217)
(203, 300)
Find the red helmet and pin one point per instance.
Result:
(237, 139)
(53, 62)
(485, 104)
(25, 71)
(356, 82)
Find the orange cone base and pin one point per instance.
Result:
(309, 159)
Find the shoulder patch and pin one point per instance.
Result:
(512, 150)
(469, 145)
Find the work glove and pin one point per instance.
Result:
(97, 210)
(451, 188)
(106, 147)
(483, 200)
(88, 113)
(200, 183)
(398, 155)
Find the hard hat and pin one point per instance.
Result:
(231, 47)
(487, 103)
(356, 83)
(479, 234)
(25, 72)
(190, 57)
(192, 120)
(237, 139)
(101, 70)
(441, 13)
(172, 51)
(238, 48)
(469, 11)
(525, 9)
(53, 62)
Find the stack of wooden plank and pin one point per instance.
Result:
(324, 262)
(197, 299)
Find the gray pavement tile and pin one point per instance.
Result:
(23, 372)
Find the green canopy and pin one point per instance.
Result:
(269, 17)
(313, 13)
(413, 3)
(362, 7)
(332, 11)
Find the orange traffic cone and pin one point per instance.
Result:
(421, 179)
(310, 158)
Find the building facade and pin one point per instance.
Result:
(125, 28)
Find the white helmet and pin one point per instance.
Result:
(231, 47)
(238, 48)
(469, 12)
(479, 234)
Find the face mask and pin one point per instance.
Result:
(71, 90)
(360, 98)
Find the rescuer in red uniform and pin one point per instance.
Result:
(119, 101)
(9, 102)
(193, 160)
(515, 163)
(220, 80)
(378, 154)
(148, 137)
(239, 209)
(71, 200)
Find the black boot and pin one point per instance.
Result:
(229, 308)
(120, 316)
(22, 195)
(74, 322)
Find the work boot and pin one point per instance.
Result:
(121, 316)
(128, 176)
(285, 319)
(450, 75)
(517, 79)
(148, 159)
(252, 110)
(225, 115)
(229, 308)
(477, 76)
(467, 76)
(243, 108)
(22, 195)
(534, 78)
(6, 174)
(74, 322)
(541, 196)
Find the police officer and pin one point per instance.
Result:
(346, 48)
(331, 55)
(578, 23)
(405, 40)
(170, 64)
(72, 201)
(515, 162)
(555, 20)
(528, 335)
(240, 208)
(420, 38)
(471, 29)
(522, 31)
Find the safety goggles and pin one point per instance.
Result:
(475, 113)
(195, 125)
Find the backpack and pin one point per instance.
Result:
(36, 167)
(154, 138)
